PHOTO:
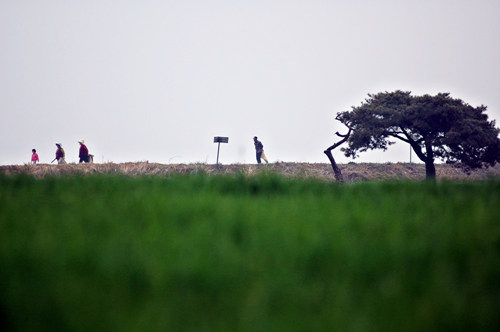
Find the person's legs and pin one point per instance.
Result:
(258, 157)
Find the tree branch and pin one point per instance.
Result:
(399, 137)
(415, 144)
(342, 141)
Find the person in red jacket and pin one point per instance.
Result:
(34, 157)
(84, 152)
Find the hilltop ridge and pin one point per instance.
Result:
(352, 172)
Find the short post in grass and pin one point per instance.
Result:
(219, 140)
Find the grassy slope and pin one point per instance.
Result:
(352, 172)
(247, 253)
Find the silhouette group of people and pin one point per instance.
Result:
(85, 157)
(61, 155)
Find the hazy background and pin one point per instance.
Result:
(157, 80)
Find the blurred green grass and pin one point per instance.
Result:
(247, 253)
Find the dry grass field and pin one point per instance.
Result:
(352, 172)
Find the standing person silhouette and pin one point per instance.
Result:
(60, 155)
(259, 150)
(84, 152)
(34, 157)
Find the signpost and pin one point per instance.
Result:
(219, 140)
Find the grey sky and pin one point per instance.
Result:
(157, 80)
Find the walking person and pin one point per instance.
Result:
(60, 155)
(259, 150)
(84, 152)
(34, 157)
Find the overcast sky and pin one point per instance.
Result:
(157, 80)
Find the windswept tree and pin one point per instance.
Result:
(436, 127)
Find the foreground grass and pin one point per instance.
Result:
(236, 253)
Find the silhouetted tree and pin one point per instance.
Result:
(436, 127)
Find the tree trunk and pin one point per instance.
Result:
(336, 169)
(328, 152)
(430, 170)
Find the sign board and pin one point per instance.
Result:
(219, 139)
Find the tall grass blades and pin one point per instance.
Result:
(247, 253)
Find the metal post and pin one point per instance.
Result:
(218, 148)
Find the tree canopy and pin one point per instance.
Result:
(437, 127)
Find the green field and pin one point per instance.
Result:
(243, 253)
